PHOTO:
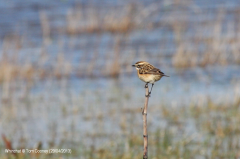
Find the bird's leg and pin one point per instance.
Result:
(146, 86)
(150, 90)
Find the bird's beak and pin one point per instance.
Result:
(133, 66)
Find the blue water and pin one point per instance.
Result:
(58, 109)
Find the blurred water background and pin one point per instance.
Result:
(66, 79)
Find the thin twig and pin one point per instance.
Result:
(144, 114)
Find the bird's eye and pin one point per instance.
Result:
(138, 66)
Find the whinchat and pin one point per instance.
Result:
(148, 73)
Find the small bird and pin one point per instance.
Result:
(148, 73)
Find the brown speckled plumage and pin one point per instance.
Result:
(148, 73)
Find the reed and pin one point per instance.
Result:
(114, 22)
(144, 114)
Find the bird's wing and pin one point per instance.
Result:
(145, 68)
(155, 71)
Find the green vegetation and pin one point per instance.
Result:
(217, 136)
(75, 89)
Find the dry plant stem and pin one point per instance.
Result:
(144, 114)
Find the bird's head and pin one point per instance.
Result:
(138, 65)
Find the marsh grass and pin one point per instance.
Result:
(210, 42)
(214, 42)
(120, 21)
(216, 136)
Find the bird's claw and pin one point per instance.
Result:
(149, 93)
(146, 85)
